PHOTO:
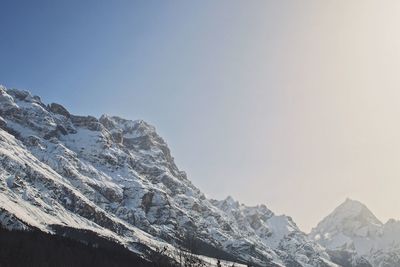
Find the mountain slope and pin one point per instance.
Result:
(117, 178)
(352, 230)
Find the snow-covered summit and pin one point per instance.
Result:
(350, 218)
(353, 228)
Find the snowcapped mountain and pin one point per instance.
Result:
(351, 232)
(117, 178)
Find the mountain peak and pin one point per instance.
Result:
(352, 207)
(348, 216)
(349, 221)
(139, 127)
(228, 203)
(353, 228)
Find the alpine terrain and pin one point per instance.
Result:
(115, 180)
(353, 236)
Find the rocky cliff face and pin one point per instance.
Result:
(117, 177)
(355, 237)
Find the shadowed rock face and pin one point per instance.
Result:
(117, 178)
(88, 122)
(59, 109)
(146, 201)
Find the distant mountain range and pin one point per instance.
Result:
(66, 175)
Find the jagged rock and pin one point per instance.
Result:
(61, 129)
(107, 122)
(32, 140)
(7, 103)
(88, 122)
(11, 222)
(59, 109)
(147, 201)
(118, 137)
(19, 94)
(3, 123)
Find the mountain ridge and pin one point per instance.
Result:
(117, 178)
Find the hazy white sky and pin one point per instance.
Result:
(295, 104)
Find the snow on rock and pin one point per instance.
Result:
(117, 177)
(353, 230)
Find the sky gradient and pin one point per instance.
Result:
(288, 103)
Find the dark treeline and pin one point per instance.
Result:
(35, 248)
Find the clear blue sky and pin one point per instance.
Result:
(271, 102)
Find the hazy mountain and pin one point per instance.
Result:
(353, 233)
